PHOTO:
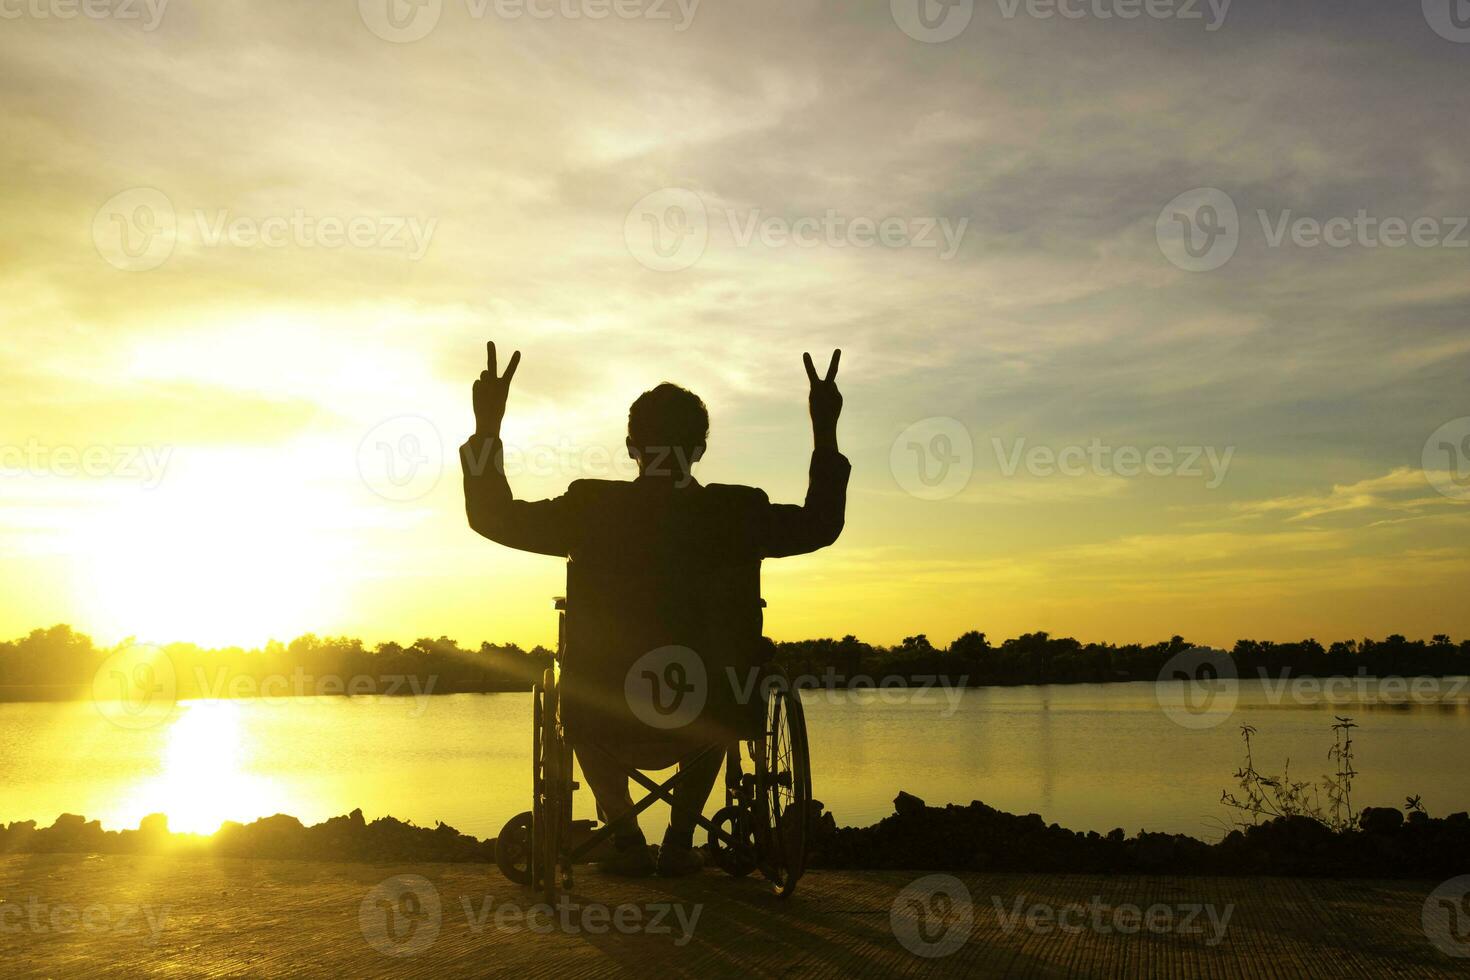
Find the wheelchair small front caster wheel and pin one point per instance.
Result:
(739, 860)
(513, 849)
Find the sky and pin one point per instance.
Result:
(1102, 376)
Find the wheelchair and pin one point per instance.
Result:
(763, 826)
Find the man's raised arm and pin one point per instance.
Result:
(543, 526)
(793, 530)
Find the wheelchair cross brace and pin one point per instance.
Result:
(656, 791)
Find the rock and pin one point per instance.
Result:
(907, 805)
(1380, 820)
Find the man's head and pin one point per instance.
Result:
(667, 430)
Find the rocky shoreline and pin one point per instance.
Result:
(916, 836)
(980, 838)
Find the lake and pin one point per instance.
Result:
(1090, 757)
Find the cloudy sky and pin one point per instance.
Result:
(1155, 317)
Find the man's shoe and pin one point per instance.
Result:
(638, 861)
(675, 861)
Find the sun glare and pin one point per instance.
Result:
(222, 552)
(205, 779)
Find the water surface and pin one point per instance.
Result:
(1090, 757)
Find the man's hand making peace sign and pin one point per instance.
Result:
(490, 392)
(825, 402)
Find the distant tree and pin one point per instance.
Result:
(917, 646)
(971, 646)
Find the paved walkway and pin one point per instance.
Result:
(74, 915)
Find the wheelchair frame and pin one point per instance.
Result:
(762, 826)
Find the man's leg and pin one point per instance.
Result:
(690, 795)
(609, 784)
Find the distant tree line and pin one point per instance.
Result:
(60, 663)
(1040, 658)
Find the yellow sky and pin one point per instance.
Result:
(252, 254)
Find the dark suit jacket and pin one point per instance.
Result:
(652, 565)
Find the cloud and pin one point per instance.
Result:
(1403, 489)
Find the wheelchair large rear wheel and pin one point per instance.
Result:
(552, 812)
(784, 791)
(541, 827)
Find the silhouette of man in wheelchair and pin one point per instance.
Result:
(663, 595)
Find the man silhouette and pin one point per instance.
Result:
(658, 566)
